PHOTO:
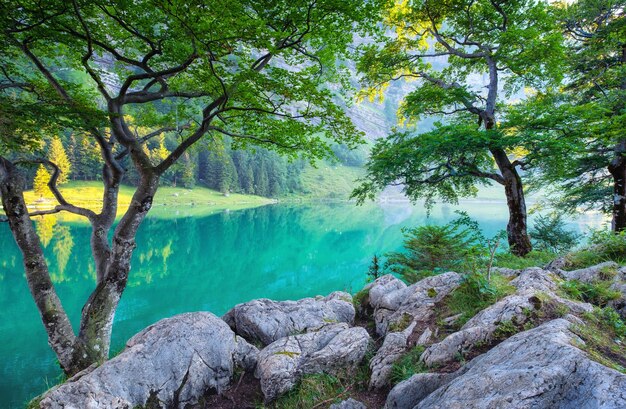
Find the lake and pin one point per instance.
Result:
(206, 264)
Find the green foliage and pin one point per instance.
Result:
(604, 336)
(597, 293)
(408, 365)
(504, 330)
(549, 234)
(475, 294)
(430, 249)
(535, 258)
(311, 389)
(603, 246)
(374, 270)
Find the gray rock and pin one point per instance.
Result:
(410, 392)
(383, 286)
(266, 321)
(177, 359)
(392, 349)
(532, 284)
(590, 274)
(415, 302)
(334, 348)
(539, 368)
(348, 404)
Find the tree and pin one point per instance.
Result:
(511, 44)
(56, 154)
(579, 129)
(40, 184)
(255, 71)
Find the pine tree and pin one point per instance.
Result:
(57, 155)
(374, 270)
(40, 184)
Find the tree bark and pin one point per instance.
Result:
(517, 227)
(61, 337)
(617, 168)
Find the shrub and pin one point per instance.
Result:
(604, 246)
(549, 234)
(433, 249)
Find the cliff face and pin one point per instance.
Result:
(533, 348)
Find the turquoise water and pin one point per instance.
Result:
(204, 263)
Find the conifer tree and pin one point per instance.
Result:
(57, 155)
(40, 184)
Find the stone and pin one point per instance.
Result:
(392, 349)
(410, 392)
(395, 310)
(348, 404)
(265, 321)
(176, 360)
(333, 349)
(539, 368)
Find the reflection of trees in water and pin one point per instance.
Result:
(63, 245)
(44, 225)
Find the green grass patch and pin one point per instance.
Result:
(408, 365)
(475, 294)
(330, 181)
(312, 390)
(604, 336)
(598, 293)
(533, 259)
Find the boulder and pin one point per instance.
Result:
(173, 362)
(392, 349)
(348, 404)
(410, 392)
(396, 309)
(603, 271)
(533, 285)
(539, 368)
(333, 349)
(265, 321)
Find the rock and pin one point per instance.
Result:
(396, 309)
(539, 368)
(506, 272)
(394, 346)
(533, 285)
(383, 286)
(333, 349)
(603, 271)
(410, 392)
(176, 360)
(348, 404)
(266, 321)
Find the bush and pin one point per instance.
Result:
(433, 249)
(549, 234)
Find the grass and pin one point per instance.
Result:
(330, 181)
(604, 336)
(468, 299)
(598, 293)
(313, 390)
(535, 258)
(169, 202)
(408, 365)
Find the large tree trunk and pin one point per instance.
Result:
(516, 229)
(55, 321)
(617, 168)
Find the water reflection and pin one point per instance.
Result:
(203, 263)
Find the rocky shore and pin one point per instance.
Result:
(533, 348)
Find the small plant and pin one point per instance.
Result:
(311, 390)
(549, 234)
(402, 324)
(597, 293)
(604, 246)
(504, 330)
(408, 365)
(374, 270)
